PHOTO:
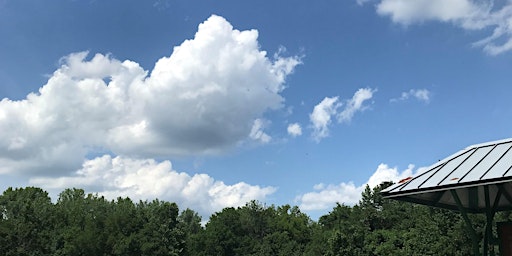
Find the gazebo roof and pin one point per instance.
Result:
(477, 175)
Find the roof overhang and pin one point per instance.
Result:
(475, 180)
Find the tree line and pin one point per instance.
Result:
(88, 224)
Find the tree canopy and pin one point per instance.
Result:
(88, 224)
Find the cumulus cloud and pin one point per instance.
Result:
(204, 98)
(466, 14)
(419, 94)
(294, 130)
(146, 179)
(326, 196)
(329, 107)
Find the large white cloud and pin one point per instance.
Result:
(204, 98)
(326, 196)
(146, 179)
(466, 14)
(329, 107)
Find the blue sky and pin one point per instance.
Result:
(214, 103)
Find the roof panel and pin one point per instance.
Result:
(396, 186)
(466, 166)
(441, 174)
(418, 180)
(485, 162)
(504, 163)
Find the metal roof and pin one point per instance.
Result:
(477, 175)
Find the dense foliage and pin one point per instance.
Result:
(87, 224)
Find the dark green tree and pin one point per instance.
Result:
(26, 222)
(223, 233)
(255, 229)
(189, 222)
(346, 230)
(81, 229)
(122, 224)
(160, 234)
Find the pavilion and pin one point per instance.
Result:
(477, 179)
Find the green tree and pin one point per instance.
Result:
(81, 229)
(122, 224)
(160, 234)
(287, 231)
(189, 222)
(255, 229)
(318, 243)
(346, 230)
(223, 233)
(26, 222)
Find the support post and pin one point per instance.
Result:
(488, 224)
(469, 225)
(490, 217)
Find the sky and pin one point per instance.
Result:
(211, 104)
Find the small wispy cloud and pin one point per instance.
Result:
(362, 2)
(257, 132)
(162, 5)
(355, 104)
(470, 15)
(322, 114)
(321, 117)
(422, 95)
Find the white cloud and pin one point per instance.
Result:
(204, 98)
(419, 94)
(362, 2)
(146, 179)
(323, 112)
(257, 132)
(385, 173)
(500, 40)
(411, 11)
(355, 104)
(321, 117)
(466, 14)
(294, 130)
(326, 196)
